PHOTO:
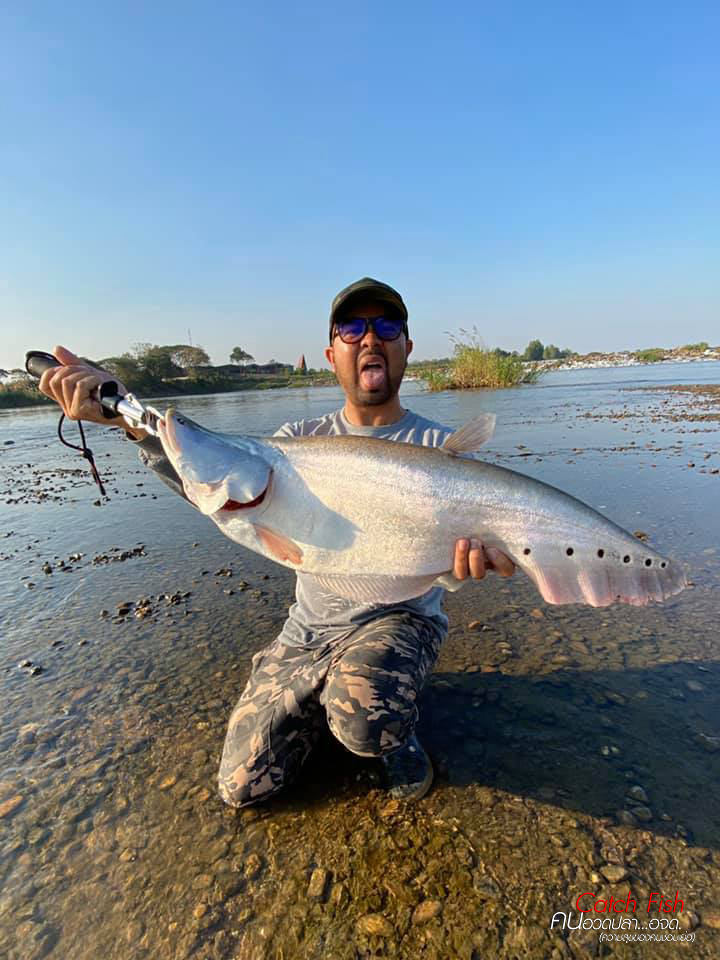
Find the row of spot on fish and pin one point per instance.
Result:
(601, 553)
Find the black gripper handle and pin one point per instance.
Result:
(37, 362)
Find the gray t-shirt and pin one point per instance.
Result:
(317, 617)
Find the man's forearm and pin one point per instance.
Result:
(153, 456)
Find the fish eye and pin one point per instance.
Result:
(648, 562)
(569, 551)
(601, 553)
(626, 559)
(526, 551)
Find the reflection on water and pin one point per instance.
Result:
(575, 749)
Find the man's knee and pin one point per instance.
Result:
(370, 708)
(370, 733)
(242, 787)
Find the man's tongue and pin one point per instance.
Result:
(372, 377)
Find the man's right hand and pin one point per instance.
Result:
(74, 386)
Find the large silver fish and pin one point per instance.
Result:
(376, 521)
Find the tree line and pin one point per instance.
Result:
(146, 365)
(172, 360)
(536, 351)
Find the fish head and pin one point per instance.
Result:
(218, 473)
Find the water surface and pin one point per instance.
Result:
(566, 740)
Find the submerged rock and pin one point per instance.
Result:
(374, 925)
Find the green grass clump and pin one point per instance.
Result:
(651, 355)
(473, 367)
(21, 394)
(695, 347)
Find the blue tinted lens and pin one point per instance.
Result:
(351, 329)
(388, 328)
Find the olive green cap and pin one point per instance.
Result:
(367, 289)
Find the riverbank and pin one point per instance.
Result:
(430, 371)
(629, 358)
(25, 394)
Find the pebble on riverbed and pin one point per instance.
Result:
(374, 925)
(613, 872)
(318, 884)
(637, 793)
(8, 807)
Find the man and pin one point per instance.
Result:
(356, 667)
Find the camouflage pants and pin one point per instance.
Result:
(363, 687)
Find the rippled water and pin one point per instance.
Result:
(539, 719)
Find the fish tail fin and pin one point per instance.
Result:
(601, 585)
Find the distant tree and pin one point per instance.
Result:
(125, 368)
(187, 357)
(156, 361)
(138, 350)
(239, 355)
(551, 352)
(534, 350)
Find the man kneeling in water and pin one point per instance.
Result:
(358, 668)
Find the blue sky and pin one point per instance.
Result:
(537, 170)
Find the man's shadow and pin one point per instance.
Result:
(568, 738)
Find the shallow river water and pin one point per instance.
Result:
(575, 750)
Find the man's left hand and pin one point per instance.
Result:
(474, 560)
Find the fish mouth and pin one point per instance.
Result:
(236, 505)
(208, 481)
(166, 430)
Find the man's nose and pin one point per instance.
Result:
(370, 338)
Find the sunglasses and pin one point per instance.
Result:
(353, 329)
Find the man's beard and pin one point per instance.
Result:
(375, 398)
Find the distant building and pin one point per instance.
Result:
(301, 366)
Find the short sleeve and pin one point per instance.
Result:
(287, 430)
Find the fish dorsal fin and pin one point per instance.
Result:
(472, 436)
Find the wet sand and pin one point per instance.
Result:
(575, 749)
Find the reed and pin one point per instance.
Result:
(474, 366)
(651, 355)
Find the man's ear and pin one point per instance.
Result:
(330, 357)
(408, 348)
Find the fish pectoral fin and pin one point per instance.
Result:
(472, 436)
(375, 589)
(281, 547)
